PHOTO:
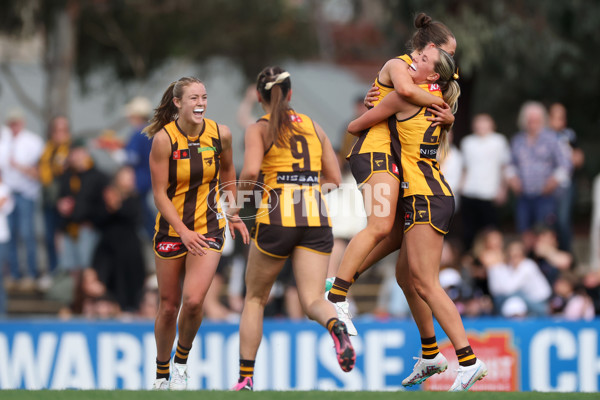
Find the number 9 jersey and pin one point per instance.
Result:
(291, 174)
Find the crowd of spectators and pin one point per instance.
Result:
(98, 224)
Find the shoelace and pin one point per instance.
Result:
(419, 360)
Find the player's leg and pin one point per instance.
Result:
(388, 245)
(199, 272)
(168, 275)
(310, 269)
(261, 273)
(380, 195)
(431, 361)
(424, 250)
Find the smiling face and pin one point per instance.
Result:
(192, 104)
(422, 69)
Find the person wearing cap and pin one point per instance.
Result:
(137, 153)
(20, 151)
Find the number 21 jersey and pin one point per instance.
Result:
(420, 142)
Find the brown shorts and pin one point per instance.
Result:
(364, 165)
(436, 211)
(280, 241)
(170, 247)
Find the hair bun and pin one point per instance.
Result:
(422, 20)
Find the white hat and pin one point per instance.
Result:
(514, 306)
(15, 114)
(450, 277)
(138, 106)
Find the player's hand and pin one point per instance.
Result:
(372, 96)
(194, 242)
(236, 223)
(441, 115)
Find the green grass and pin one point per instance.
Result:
(271, 395)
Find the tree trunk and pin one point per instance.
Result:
(60, 56)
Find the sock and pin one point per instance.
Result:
(246, 369)
(181, 354)
(330, 323)
(162, 369)
(465, 356)
(338, 291)
(429, 348)
(355, 277)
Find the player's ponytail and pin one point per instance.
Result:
(274, 84)
(448, 72)
(428, 31)
(166, 110)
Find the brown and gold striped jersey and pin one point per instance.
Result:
(194, 179)
(420, 142)
(376, 139)
(291, 175)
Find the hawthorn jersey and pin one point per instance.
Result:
(376, 139)
(419, 145)
(291, 174)
(194, 179)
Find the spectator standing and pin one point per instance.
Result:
(53, 164)
(539, 166)
(80, 206)
(20, 151)
(452, 168)
(6, 206)
(485, 156)
(566, 192)
(137, 152)
(118, 258)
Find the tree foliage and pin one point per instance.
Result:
(136, 36)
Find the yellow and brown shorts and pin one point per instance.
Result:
(436, 211)
(280, 241)
(364, 165)
(170, 247)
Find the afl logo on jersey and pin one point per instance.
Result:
(181, 154)
(295, 118)
(434, 87)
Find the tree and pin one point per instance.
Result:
(131, 38)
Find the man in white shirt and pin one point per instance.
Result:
(20, 151)
(485, 155)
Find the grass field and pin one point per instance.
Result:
(271, 395)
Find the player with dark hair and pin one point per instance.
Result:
(428, 204)
(375, 164)
(292, 156)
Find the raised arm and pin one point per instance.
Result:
(391, 104)
(406, 88)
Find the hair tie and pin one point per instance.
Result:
(455, 76)
(278, 79)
